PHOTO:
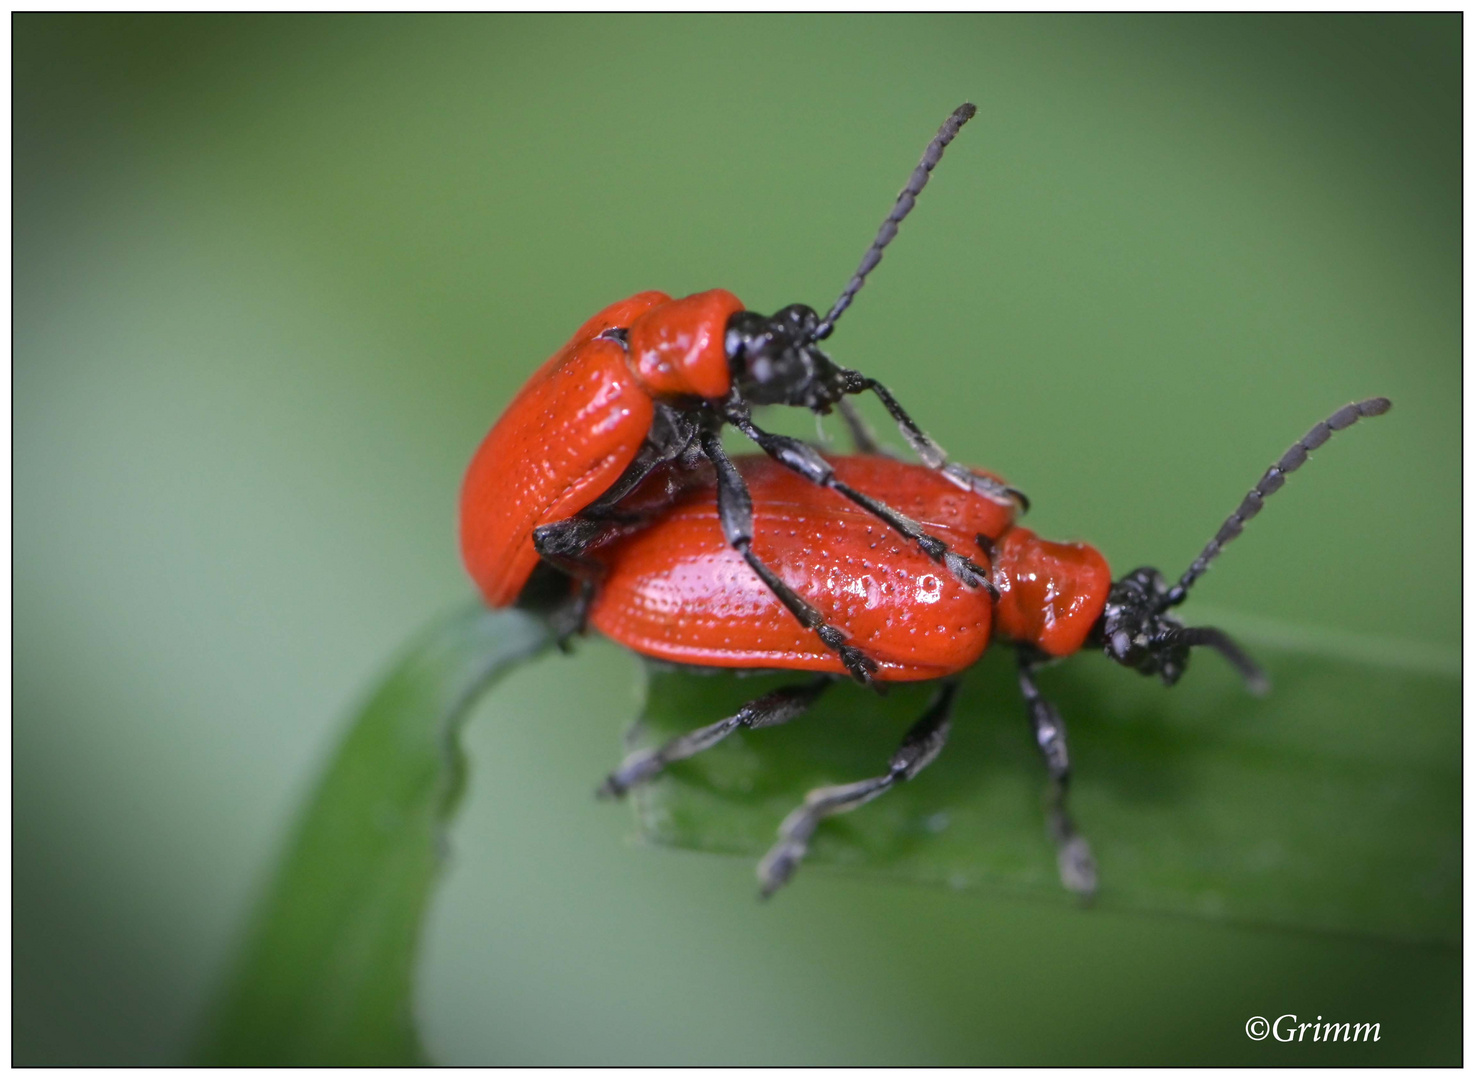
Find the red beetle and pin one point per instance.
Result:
(678, 592)
(649, 382)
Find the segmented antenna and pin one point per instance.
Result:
(904, 203)
(1269, 484)
(1255, 679)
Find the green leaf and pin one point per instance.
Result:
(1332, 804)
(326, 975)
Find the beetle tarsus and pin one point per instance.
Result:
(861, 667)
(919, 748)
(1077, 866)
(970, 573)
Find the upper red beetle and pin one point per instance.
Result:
(651, 381)
(676, 591)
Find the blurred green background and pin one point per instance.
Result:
(275, 276)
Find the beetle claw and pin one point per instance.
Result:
(971, 574)
(861, 667)
(1077, 867)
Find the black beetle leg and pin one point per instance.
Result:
(1076, 864)
(919, 748)
(735, 509)
(782, 705)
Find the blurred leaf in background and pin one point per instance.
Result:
(274, 276)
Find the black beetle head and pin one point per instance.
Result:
(1136, 631)
(774, 359)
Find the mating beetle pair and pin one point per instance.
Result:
(608, 468)
(649, 383)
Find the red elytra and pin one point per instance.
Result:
(677, 591)
(578, 423)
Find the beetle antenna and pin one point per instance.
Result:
(904, 203)
(1269, 484)
(1226, 647)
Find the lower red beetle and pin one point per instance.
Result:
(649, 383)
(678, 591)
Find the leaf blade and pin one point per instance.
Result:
(1333, 805)
(326, 974)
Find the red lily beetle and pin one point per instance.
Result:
(677, 592)
(648, 383)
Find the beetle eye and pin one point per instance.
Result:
(799, 320)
